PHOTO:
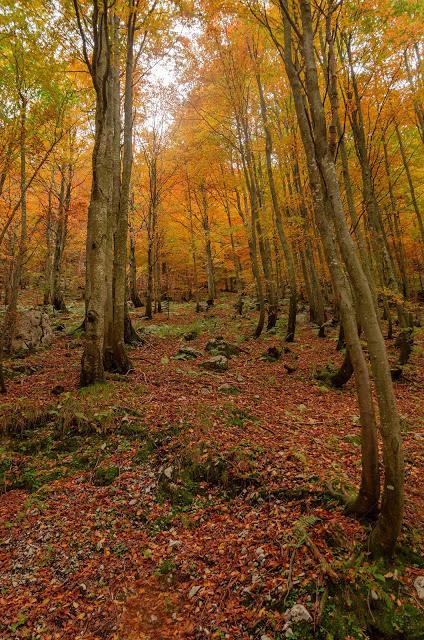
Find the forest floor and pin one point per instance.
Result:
(180, 503)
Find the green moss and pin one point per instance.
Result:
(135, 429)
(338, 623)
(32, 479)
(373, 605)
(104, 476)
(353, 439)
(162, 523)
(166, 567)
(144, 452)
(237, 417)
(100, 389)
(5, 468)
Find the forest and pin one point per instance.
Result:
(211, 319)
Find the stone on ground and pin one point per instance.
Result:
(33, 330)
(216, 363)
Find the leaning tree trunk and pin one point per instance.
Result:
(386, 532)
(367, 498)
(413, 196)
(378, 238)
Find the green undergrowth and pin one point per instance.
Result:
(371, 602)
(78, 434)
(368, 600)
(195, 468)
(166, 330)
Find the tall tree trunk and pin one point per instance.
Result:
(121, 361)
(316, 299)
(92, 369)
(17, 268)
(49, 245)
(418, 107)
(410, 182)
(288, 255)
(397, 236)
(234, 255)
(252, 235)
(369, 489)
(157, 275)
(58, 300)
(113, 152)
(150, 244)
(264, 240)
(385, 534)
(134, 294)
(210, 271)
(193, 248)
(378, 238)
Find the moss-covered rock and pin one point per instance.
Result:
(104, 476)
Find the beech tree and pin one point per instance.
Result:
(297, 47)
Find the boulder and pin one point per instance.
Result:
(216, 363)
(272, 354)
(295, 615)
(187, 353)
(419, 586)
(32, 330)
(228, 389)
(220, 347)
(58, 390)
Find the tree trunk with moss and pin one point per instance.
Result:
(92, 369)
(385, 534)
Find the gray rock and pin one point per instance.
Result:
(216, 363)
(58, 390)
(187, 353)
(228, 389)
(169, 471)
(272, 354)
(419, 586)
(297, 613)
(174, 544)
(195, 589)
(32, 330)
(220, 347)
